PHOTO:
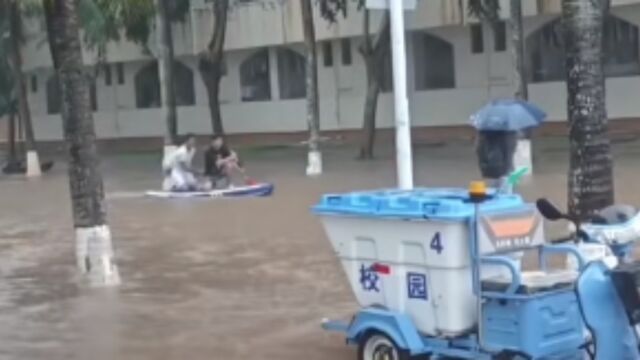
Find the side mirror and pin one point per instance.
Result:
(549, 211)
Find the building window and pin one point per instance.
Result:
(434, 62)
(120, 73)
(500, 36)
(255, 80)
(477, 39)
(327, 53)
(291, 74)
(147, 85)
(546, 51)
(107, 75)
(346, 52)
(386, 74)
(34, 83)
(54, 97)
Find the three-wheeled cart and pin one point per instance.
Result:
(437, 275)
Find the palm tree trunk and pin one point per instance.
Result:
(517, 48)
(94, 249)
(523, 156)
(211, 63)
(314, 165)
(591, 166)
(33, 162)
(165, 71)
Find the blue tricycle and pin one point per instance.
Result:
(438, 276)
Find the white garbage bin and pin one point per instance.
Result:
(408, 251)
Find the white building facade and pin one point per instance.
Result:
(455, 65)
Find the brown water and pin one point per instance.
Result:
(208, 279)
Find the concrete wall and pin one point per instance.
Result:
(479, 77)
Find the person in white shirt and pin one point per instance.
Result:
(178, 171)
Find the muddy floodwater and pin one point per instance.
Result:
(211, 279)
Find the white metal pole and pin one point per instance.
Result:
(403, 125)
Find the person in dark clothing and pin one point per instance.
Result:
(495, 151)
(220, 162)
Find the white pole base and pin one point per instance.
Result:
(522, 157)
(33, 164)
(94, 256)
(314, 163)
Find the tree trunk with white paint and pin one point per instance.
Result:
(314, 165)
(33, 162)
(94, 250)
(523, 156)
(211, 64)
(590, 182)
(374, 52)
(166, 76)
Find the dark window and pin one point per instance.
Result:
(500, 36)
(546, 52)
(346, 52)
(291, 74)
(434, 62)
(107, 74)
(327, 53)
(34, 83)
(147, 85)
(255, 78)
(54, 97)
(386, 74)
(120, 73)
(477, 41)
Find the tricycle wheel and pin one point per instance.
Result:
(377, 346)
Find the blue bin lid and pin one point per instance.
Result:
(423, 203)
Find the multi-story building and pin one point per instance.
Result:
(455, 65)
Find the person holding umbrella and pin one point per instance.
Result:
(498, 124)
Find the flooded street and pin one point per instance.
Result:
(210, 279)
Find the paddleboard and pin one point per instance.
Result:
(257, 190)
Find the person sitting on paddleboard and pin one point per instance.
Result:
(179, 174)
(220, 162)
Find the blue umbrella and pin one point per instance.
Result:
(508, 115)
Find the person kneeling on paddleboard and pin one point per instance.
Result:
(220, 163)
(178, 171)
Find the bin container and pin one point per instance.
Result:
(408, 251)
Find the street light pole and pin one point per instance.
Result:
(403, 125)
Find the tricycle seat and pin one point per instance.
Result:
(533, 282)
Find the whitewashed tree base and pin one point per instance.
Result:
(33, 164)
(314, 163)
(522, 157)
(94, 256)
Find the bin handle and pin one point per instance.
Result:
(516, 279)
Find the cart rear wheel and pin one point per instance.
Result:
(376, 346)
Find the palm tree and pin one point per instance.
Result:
(314, 165)
(211, 63)
(94, 248)
(591, 166)
(165, 68)
(517, 49)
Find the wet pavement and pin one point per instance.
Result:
(210, 279)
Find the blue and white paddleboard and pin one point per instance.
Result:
(257, 190)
